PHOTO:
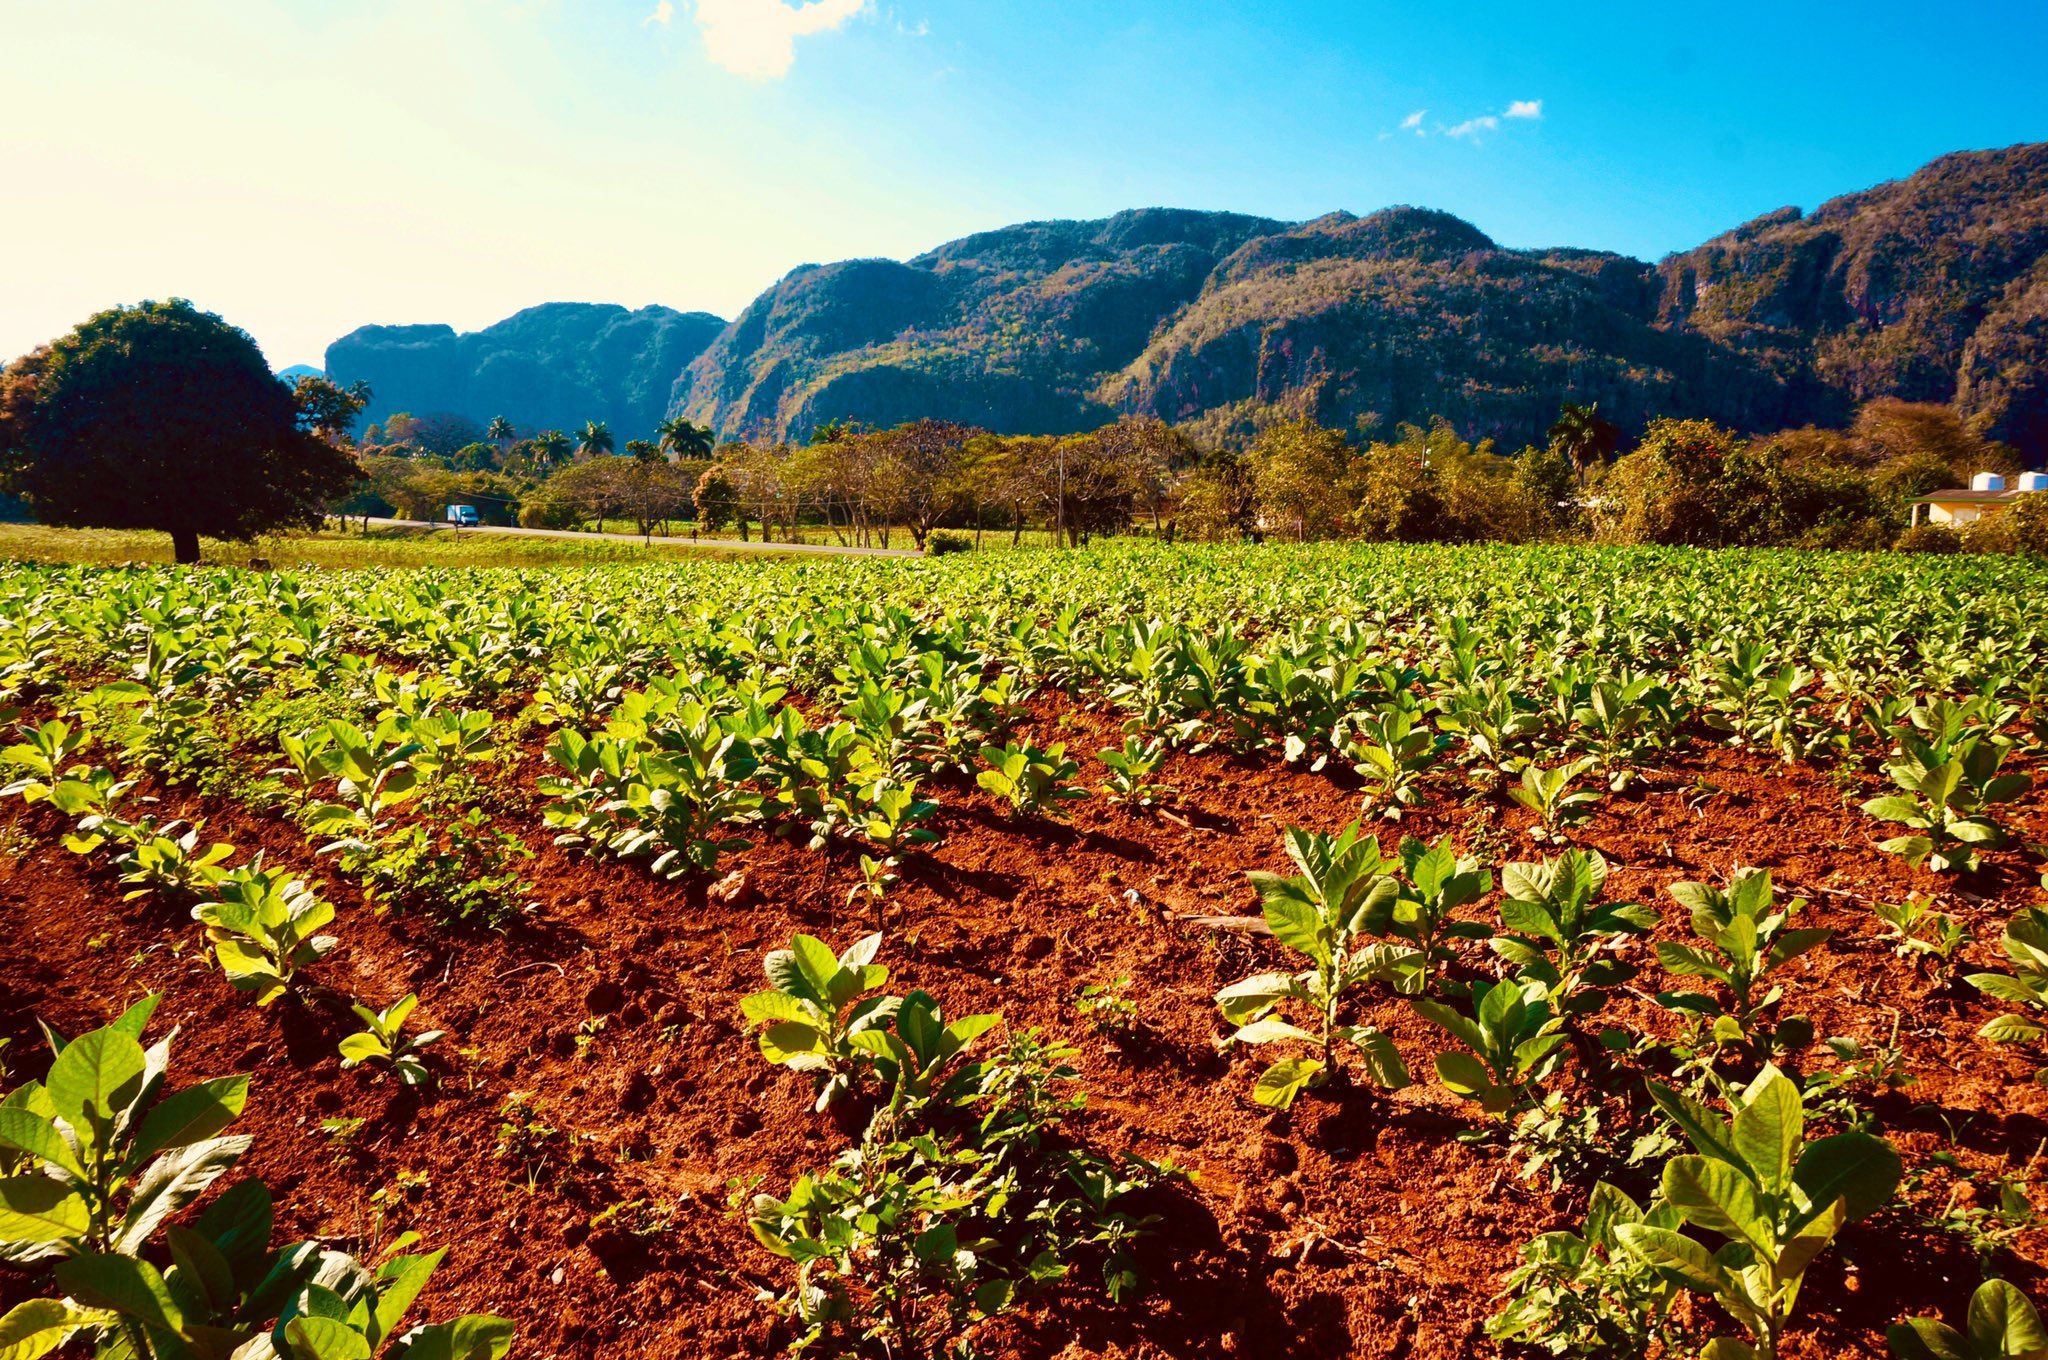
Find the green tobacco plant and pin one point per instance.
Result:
(1916, 930)
(1131, 771)
(96, 798)
(907, 1241)
(1550, 908)
(160, 860)
(1549, 794)
(1621, 722)
(374, 773)
(1030, 780)
(894, 817)
(817, 1003)
(920, 1050)
(1744, 941)
(1389, 749)
(2025, 943)
(383, 1040)
(1584, 1294)
(264, 929)
(1439, 882)
(1778, 1199)
(877, 877)
(1514, 1039)
(1949, 791)
(102, 1154)
(1323, 912)
(43, 755)
(2002, 1324)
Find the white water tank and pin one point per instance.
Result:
(2034, 481)
(1988, 481)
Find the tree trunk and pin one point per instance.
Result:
(185, 546)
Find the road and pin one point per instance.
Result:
(821, 549)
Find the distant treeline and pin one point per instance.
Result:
(1684, 482)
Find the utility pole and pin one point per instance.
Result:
(1060, 537)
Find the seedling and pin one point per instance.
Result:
(263, 930)
(1949, 790)
(1513, 1036)
(1131, 771)
(1324, 913)
(1551, 907)
(1744, 941)
(382, 1040)
(815, 1006)
(1916, 930)
(1030, 780)
(1549, 794)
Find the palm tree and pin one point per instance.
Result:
(550, 449)
(1584, 437)
(597, 439)
(683, 440)
(499, 432)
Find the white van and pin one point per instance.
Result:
(463, 516)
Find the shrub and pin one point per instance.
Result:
(1929, 538)
(2021, 527)
(544, 511)
(939, 542)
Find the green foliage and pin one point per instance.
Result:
(1552, 908)
(1916, 930)
(1950, 788)
(1032, 781)
(161, 416)
(383, 1040)
(1389, 749)
(1549, 794)
(1744, 940)
(455, 869)
(1584, 1294)
(2025, 942)
(161, 861)
(912, 1237)
(2002, 1324)
(102, 1153)
(1131, 771)
(1777, 1198)
(1440, 881)
(816, 1004)
(1108, 1008)
(264, 930)
(1514, 1040)
(1324, 912)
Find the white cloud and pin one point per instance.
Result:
(1413, 123)
(1472, 127)
(757, 38)
(1525, 108)
(664, 14)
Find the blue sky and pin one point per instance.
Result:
(306, 166)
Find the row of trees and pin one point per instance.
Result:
(1684, 482)
(860, 486)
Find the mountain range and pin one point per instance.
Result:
(1930, 288)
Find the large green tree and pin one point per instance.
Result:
(163, 417)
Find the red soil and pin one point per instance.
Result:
(1356, 1225)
